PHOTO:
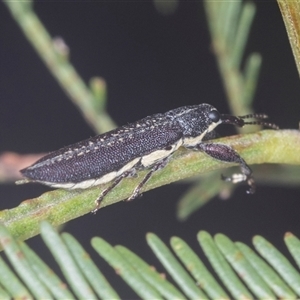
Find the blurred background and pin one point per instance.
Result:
(152, 63)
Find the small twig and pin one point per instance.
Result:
(229, 25)
(57, 62)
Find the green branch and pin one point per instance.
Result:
(60, 206)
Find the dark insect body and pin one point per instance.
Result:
(145, 144)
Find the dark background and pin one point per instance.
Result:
(152, 63)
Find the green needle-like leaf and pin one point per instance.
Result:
(22, 266)
(196, 267)
(222, 268)
(244, 269)
(243, 29)
(293, 244)
(12, 284)
(156, 280)
(46, 275)
(278, 262)
(252, 69)
(178, 273)
(89, 269)
(274, 281)
(5, 296)
(124, 269)
(66, 262)
(290, 11)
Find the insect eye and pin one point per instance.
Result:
(214, 116)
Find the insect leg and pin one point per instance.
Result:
(226, 154)
(158, 166)
(129, 173)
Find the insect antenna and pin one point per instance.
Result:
(239, 121)
(259, 120)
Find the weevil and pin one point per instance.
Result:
(145, 144)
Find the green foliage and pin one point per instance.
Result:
(238, 271)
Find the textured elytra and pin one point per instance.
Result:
(110, 152)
